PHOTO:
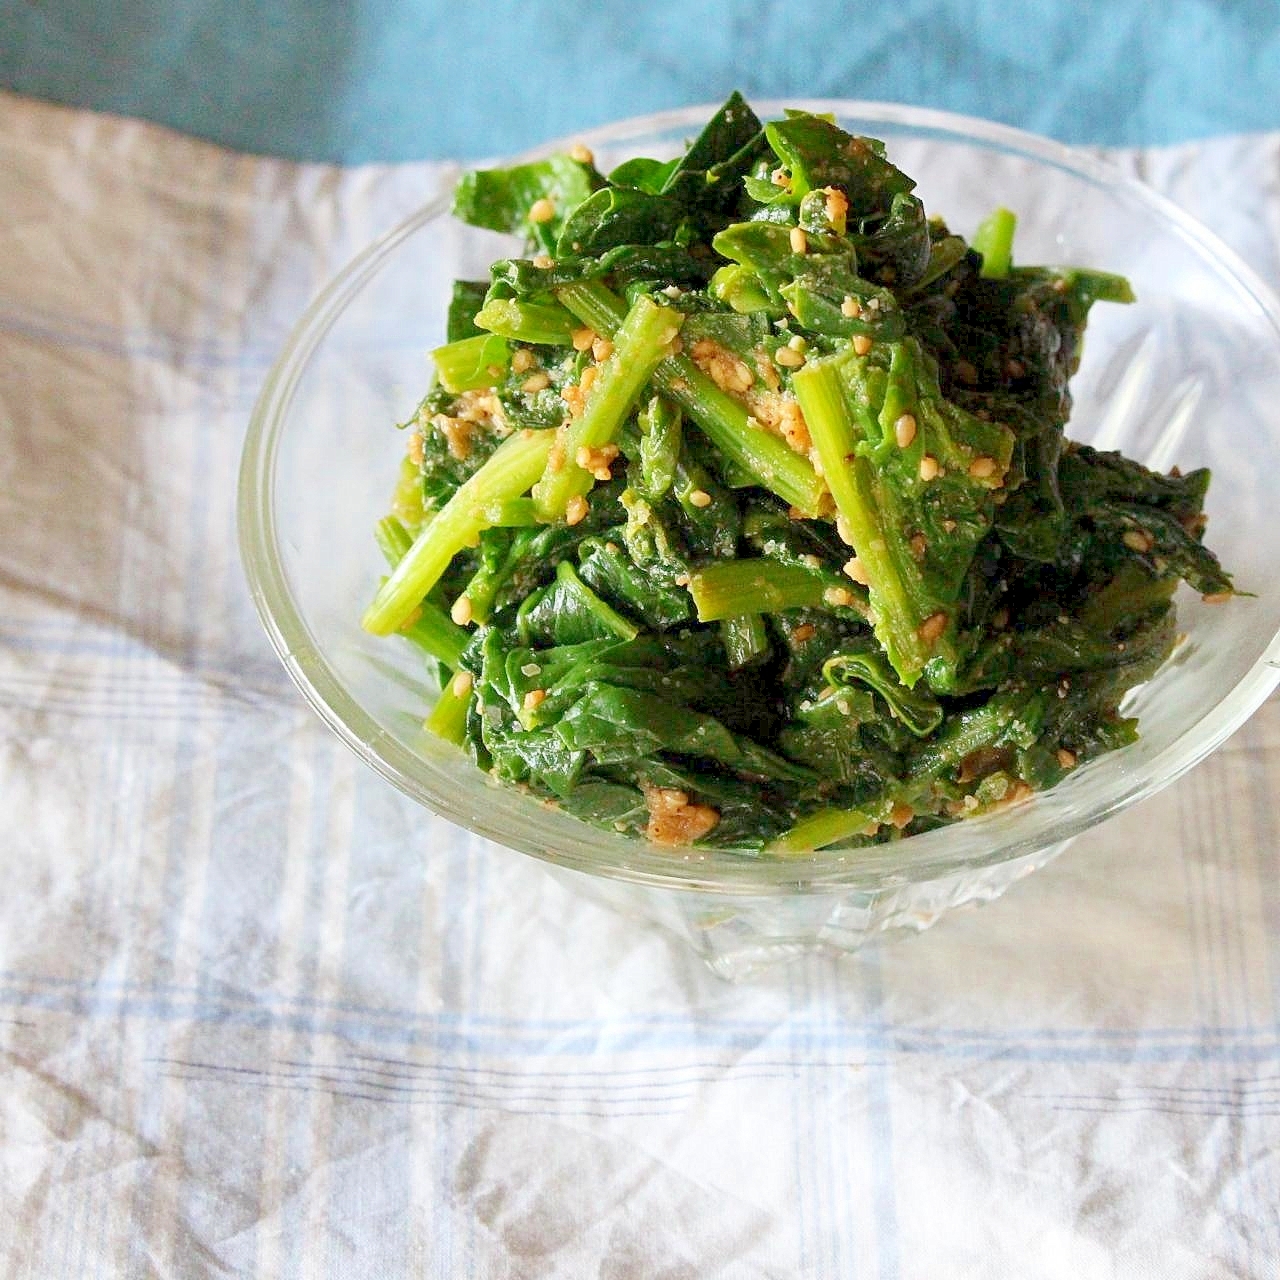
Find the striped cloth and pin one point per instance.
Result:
(261, 1016)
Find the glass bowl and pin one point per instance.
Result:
(1190, 374)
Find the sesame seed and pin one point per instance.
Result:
(811, 561)
(542, 210)
(1216, 597)
(842, 528)
(780, 178)
(700, 498)
(904, 430)
(461, 611)
(1066, 759)
(601, 349)
(797, 343)
(539, 381)
(919, 546)
(1137, 540)
(583, 338)
(837, 597)
(576, 510)
(461, 684)
(850, 307)
(588, 379)
(522, 361)
(799, 240)
(982, 467)
(805, 631)
(901, 814)
(855, 569)
(837, 206)
(534, 699)
(931, 629)
(581, 153)
(861, 344)
(928, 467)
(788, 357)
(544, 261)
(531, 669)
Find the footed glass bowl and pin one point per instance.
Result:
(1190, 374)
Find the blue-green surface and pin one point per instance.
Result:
(406, 79)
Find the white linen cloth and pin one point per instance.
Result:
(261, 1016)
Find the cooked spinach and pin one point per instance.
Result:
(740, 511)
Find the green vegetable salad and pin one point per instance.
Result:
(740, 512)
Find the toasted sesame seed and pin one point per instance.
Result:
(805, 631)
(576, 510)
(901, 814)
(970, 803)
(461, 684)
(928, 467)
(799, 240)
(601, 349)
(965, 372)
(812, 561)
(838, 597)
(700, 498)
(798, 343)
(919, 546)
(855, 569)
(1067, 759)
(461, 610)
(542, 210)
(1216, 597)
(949, 526)
(539, 381)
(837, 206)
(850, 307)
(861, 343)
(1137, 540)
(544, 261)
(982, 467)
(581, 153)
(583, 338)
(588, 379)
(780, 178)
(522, 361)
(534, 699)
(788, 357)
(843, 530)
(932, 627)
(1000, 619)
(414, 447)
(904, 430)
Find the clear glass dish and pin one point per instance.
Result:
(1190, 374)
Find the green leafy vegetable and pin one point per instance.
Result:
(741, 510)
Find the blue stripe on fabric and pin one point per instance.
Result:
(104, 998)
(554, 1041)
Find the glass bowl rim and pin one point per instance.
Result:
(988, 839)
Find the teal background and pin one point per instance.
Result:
(416, 79)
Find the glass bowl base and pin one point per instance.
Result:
(741, 936)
